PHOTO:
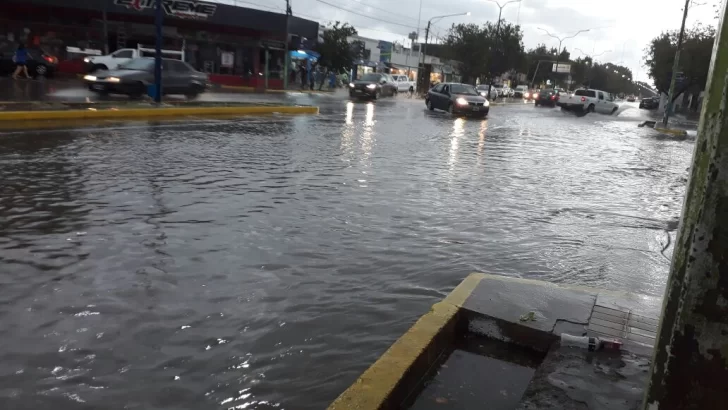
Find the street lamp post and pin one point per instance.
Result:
(675, 66)
(592, 57)
(497, 35)
(421, 81)
(558, 50)
(158, 20)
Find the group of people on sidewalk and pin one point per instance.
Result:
(318, 75)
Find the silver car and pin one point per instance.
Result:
(134, 78)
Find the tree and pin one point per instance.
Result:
(694, 61)
(336, 53)
(480, 52)
(564, 56)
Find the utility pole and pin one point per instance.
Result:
(495, 43)
(105, 28)
(689, 366)
(675, 67)
(286, 62)
(159, 20)
(421, 81)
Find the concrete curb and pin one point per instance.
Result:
(151, 112)
(399, 371)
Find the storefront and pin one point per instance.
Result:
(235, 45)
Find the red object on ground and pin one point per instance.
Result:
(71, 67)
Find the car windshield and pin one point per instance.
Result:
(371, 77)
(463, 89)
(141, 64)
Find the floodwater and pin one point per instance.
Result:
(264, 263)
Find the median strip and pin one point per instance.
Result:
(81, 111)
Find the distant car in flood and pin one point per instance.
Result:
(457, 99)
(546, 98)
(650, 103)
(373, 85)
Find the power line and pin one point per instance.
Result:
(385, 10)
(364, 15)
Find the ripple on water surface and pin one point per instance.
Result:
(265, 263)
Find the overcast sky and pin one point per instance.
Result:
(623, 26)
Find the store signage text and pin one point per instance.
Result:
(177, 8)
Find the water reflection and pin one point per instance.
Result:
(458, 130)
(481, 140)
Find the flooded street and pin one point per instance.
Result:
(265, 262)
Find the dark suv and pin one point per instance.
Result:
(39, 63)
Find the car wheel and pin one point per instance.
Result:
(41, 70)
(590, 108)
(429, 105)
(451, 109)
(137, 92)
(394, 93)
(411, 91)
(614, 110)
(377, 94)
(192, 94)
(98, 67)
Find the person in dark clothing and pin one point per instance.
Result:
(21, 59)
(304, 80)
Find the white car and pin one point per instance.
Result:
(520, 91)
(589, 100)
(483, 90)
(404, 84)
(123, 56)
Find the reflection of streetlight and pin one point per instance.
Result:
(424, 50)
(558, 51)
(497, 32)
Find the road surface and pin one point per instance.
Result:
(265, 262)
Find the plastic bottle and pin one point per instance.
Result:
(584, 342)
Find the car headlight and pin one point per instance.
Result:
(482, 93)
(486, 103)
(535, 96)
(86, 60)
(372, 86)
(89, 77)
(461, 101)
(113, 79)
(351, 85)
(526, 95)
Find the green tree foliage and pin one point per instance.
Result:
(480, 52)
(336, 53)
(694, 59)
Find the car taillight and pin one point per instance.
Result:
(553, 97)
(50, 59)
(583, 99)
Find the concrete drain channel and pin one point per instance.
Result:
(479, 370)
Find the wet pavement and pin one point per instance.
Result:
(265, 262)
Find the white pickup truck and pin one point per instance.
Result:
(588, 100)
(124, 55)
(404, 84)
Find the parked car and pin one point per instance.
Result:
(123, 56)
(373, 85)
(483, 91)
(134, 77)
(457, 99)
(530, 95)
(631, 98)
(404, 84)
(508, 92)
(546, 98)
(589, 100)
(39, 62)
(520, 91)
(650, 103)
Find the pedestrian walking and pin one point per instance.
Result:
(332, 80)
(21, 58)
(303, 76)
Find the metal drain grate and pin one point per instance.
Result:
(623, 324)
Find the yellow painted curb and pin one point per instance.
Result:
(399, 371)
(151, 112)
(671, 131)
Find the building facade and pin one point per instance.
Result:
(235, 45)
